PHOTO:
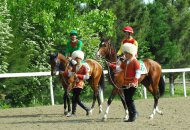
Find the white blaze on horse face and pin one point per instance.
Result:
(98, 53)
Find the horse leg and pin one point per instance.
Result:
(65, 102)
(110, 99)
(155, 110)
(99, 103)
(68, 102)
(96, 96)
(154, 91)
(153, 88)
(122, 97)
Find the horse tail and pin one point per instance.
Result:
(161, 85)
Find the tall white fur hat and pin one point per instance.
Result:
(129, 48)
(79, 54)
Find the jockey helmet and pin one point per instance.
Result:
(128, 29)
(78, 54)
(129, 48)
(74, 32)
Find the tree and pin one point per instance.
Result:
(38, 27)
(5, 36)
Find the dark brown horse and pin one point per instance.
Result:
(60, 63)
(153, 80)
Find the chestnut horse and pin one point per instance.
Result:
(60, 63)
(153, 80)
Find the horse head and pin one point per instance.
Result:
(58, 62)
(106, 50)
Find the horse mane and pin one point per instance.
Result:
(62, 58)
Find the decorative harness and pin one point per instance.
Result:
(57, 61)
(110, 52)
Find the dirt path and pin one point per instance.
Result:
(176, 116)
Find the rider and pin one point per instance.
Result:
(80, 71)
(73, 44)
(131, 67)
(128, 39)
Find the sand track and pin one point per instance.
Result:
(176, 116)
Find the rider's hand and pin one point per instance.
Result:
(122, 59)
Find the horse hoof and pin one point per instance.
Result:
(89, 113)
(65, 113)
(151, 116)
(100, 111)
(125, 118)
(104, 119)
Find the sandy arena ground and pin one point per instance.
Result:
(176, 117)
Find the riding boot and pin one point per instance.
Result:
(74, 106)
(132, 112)
(84, 107)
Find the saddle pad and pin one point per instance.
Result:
(142, 67)
(86, 64)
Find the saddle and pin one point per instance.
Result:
(86, 64)
(142, 67)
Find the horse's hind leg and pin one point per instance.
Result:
(99, 103)
(155, 110)
(96, 96)
(155, 92)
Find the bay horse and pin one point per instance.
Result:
(153, 80)
(60, 63)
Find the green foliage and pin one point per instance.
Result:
(40, 27)
(5, 36)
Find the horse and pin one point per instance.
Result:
(60, 63)
(153, 80)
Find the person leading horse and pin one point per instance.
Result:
(131, 68)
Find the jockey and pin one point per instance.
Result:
(132, 73)
(128, 39)
(80, 72)
(73, 43)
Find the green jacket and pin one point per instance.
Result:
(73, 46)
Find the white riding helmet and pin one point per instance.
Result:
(79, 54)
(129, 48)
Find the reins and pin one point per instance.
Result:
(66, 68)
(109, 71)
(111, 76)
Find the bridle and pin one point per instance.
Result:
(60, 68)
(109, 53)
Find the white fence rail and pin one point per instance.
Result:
(11, 75)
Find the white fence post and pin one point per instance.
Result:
(51, 90)
(171, 89)
(184, 85)
(145, 93)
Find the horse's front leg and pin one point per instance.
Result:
(110, 99)
(122, 97)
(155, 110)
(66, 101)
